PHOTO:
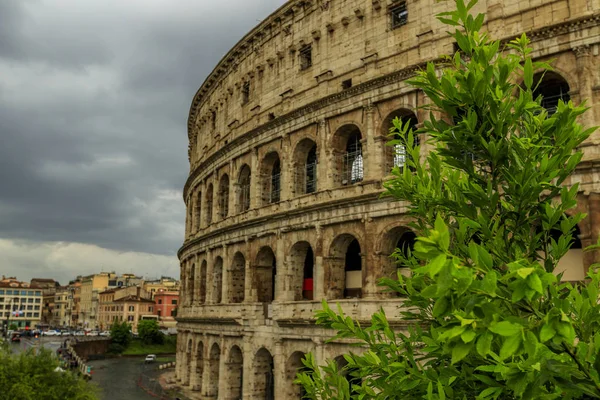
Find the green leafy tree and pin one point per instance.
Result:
(13, 327)
(149, 332)
(31, 376)
(488, 317)
(120, 333)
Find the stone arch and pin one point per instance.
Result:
(292, 367)
(302, 263)
(223, 196)
(270, 178)
(552, 87)
(305, 167)
(344, 271)
(265, 272)
(396, 156)
(209, 204)
(243, 190)
(264, 378)
(237, 278)
(217, 280)
(202, 282)
(199, 365)
(197, 221)
(399, 237)
(347, 146)
(191, 284)
(572, 264)
(235, 369)
(214, 361)
(347, 373)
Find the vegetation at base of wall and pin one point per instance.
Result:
(137, 347)
(30, 376)
(13, 327)
(120, 333)
(487, 316)
(149, 332)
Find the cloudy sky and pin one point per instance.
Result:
(94, 97)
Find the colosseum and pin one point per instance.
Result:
(287, 151)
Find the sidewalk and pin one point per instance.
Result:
(167, 381)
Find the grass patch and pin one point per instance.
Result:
(139, 348)
(164, 360)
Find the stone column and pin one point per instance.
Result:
(287, 177)
(372, 271)
(248, 369)
(194, 379)
(585, 74)
(255, 181)
(279, 368)
(319, 273)
(202, 222)
(225, 296)
(233, 189)
(282, 273)
(372, 157)
(249, 292)
(325, 173)
(196, 279)
(210, 263)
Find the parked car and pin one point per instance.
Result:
(150, 358)
(93, 333)
(15, 338)
(65, 333)
(79, 333)
(51, 333)
(105, 333)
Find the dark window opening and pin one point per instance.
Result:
(347, 84)
(246, 93)
(308, 283)
(244, 189)
(353, 169)
(271, 116)
(552, 88)
(353, 270)
(398, 14)
(214, 119)
(276, 182)
(311, 170)
(406, 245)
(305, 57)
(224, 197)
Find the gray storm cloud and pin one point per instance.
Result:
(94, 97)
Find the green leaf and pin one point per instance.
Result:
(525, 272)
(468, 336)
(460, 351)
(510, 346)
(534, 282)
(505, 328)
(528, 73)
(547, 332)
(484, 344)
(440, 307)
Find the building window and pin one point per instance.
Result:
(159, 301)
(305, 57)
(347, 84)
(150, 309)
(311, 170)
(398, 14)
(246, 93)
(174, 302)
(131, 308)
(276, 182)
(130, 318)
(36, 315)
(214, 119)
(224, 196)
(159, 312)
(244, 189)
(353, 170)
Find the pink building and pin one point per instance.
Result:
(166, 303)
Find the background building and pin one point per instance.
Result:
(20, 304)
(62, 308)
(287, 150)
(166, 303)
(164, 283)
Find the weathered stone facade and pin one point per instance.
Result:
(287, 148)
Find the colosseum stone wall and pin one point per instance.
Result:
(287, 151)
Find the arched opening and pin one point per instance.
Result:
(271, 179)
(351, 374)
(235, 367)
(348, 143)
(237, 278)
(199, 366)
(302, 261)
(292, 367)
(209, 204)
(345, 268)
(264, 382)
(396, 155)
(571, 265)
(202, 282)
(224, 196)
(197, 212)
(214, 361)
(403, 239)
(217, 281)
(191, 284)
(244, 189)
(265, 274)
(551, 87)
(305, 159)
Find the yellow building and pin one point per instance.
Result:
(61, 314)
(20, 304)
(162, 284)
(88, 306)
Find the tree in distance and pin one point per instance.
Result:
(488, 318)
